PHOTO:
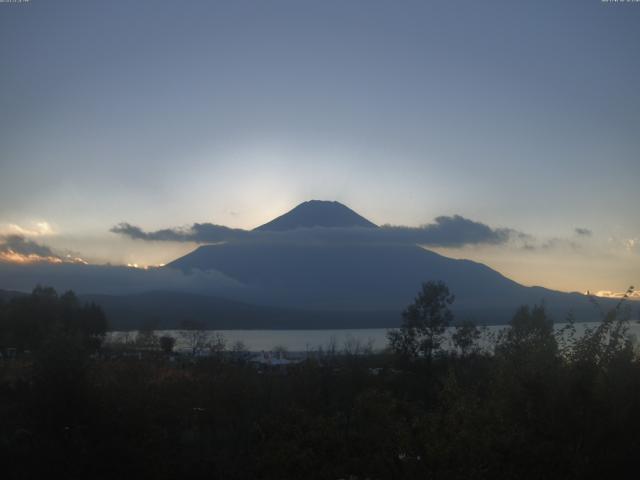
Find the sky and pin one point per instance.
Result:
(519, 115)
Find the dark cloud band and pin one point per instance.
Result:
(22, 246)
(446, 231)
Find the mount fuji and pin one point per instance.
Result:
(374, 280)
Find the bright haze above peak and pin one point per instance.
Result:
(317, 213)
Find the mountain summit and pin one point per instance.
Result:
(317, 213)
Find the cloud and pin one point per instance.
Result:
(25, 263)
(446, 231)
(572, 244)
(21, 245)
(18, 249)
(37, 229)
(108, 279)
(452, 231)
(629, 245)
(633, 295)
(198, 232)
(559, 243)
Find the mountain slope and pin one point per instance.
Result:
(317, 213)
(368, 277)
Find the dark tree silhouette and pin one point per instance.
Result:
(195, 336)
(29, 321)
(167, 343)
(466, 337)
(424, 322)
(530, 336)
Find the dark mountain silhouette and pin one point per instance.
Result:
(365, 277)
(317, 213)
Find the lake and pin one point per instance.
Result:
(310, 340)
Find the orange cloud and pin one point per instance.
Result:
(16, 257)
(17, 249)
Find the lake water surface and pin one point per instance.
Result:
(310, 340)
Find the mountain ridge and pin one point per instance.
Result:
(317, 213)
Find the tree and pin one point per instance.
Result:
(146, 339)
(217, 345)
(195, 336)
(466, 337)
(602, 344)
(239, 351)
(167, 343)
(280, 351)
(528, 352)
(529, 336)
(424, 322)
(29, 321)
(95, 325)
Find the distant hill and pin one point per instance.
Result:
(166, 310)
(6, 295)
(317, 213)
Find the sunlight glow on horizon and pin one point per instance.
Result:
(633, 295)
(11, 256)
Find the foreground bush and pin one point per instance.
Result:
(537, 406)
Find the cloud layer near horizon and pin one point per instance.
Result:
(23, 246)
(109, 279)
(18, 249)
(446, 231)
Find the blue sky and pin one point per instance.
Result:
(522, 115)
